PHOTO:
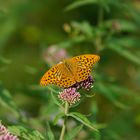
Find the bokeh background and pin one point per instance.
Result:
(34, 35)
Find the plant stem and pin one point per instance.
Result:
(65, 121)
(98, 41)
(100, 15)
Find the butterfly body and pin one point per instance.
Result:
(70, 71)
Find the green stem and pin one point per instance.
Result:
(100, 15)
(98, 41)
(65, 121)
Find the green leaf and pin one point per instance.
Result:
(41, 88)
(127, 26)
(109, 94)
(104, 4)
(49, 133)
(7, 101)
(123, 25)
(6, 29)
(113, 135)
(127, 42)
(26, 133)
(53, 89)
(72, 41)
(121, 90)
(100, 126)
(79, 3)
(5, 60)
(83, 27)
(122, 51)
(55, 100)
(73, 133)
(30, 69)
(57, 117)
(82, 118)
(50, 89)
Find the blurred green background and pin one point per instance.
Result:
(34, 35)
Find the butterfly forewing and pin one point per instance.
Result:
(59, 76)
(83, 65)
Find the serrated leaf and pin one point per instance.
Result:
(79, 3)
(57, 117)
(83, 119)
(73, 133)
(26, 133)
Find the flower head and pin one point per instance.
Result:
(116, 25)
(3, 130)
(70, 95)
(53, 54)
(86, 84)
(5, 134)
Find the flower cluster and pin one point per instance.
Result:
(116, 26)
(53, 54)
(71, 95)
(5, 134)
(86, 84)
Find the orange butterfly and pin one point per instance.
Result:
(70, 71)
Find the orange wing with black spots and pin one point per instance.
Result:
(83, 65)
(58, 75)
(67, 73)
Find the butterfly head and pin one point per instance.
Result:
(66, 63)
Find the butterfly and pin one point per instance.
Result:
(70, 71)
